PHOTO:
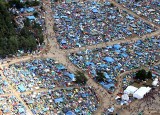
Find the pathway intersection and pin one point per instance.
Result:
(52, 51)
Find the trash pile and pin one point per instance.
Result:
(150, 9)
(68, 101)
(80, 24)
(115, 59)
(10, 105)
(38, 73)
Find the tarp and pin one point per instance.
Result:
(117, 46)
(58, 100)
(108, 59)
(31, 17)
(70, 113)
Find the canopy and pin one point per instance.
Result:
(130, 90)
(139, 94)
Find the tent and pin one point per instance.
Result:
(21, 110)
(155, 82)
(130, 17)
(130, 90)
(58, 100)
(71, 76)
(108, 59)
(70, 113)
(21, 88)
(94, 10)
(125, 97)
(30, 9)
(31, 17)
(117, 46)
(63, 41)
(139, 94)
(106, 75)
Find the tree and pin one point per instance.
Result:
(80, 78)
(100, 76)
(149, 75)
(35, 14)
(143, 75)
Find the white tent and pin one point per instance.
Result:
(125, 97)
(151, 10)
(155, 82)
(130, 90)
(139, 94)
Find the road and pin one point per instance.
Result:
(52, 51)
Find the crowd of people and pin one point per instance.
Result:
(147, 8)
(79, 24)
(69, 101)
(112, 60)
(38, 73)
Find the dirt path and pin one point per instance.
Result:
(61, 56)
(114, 42)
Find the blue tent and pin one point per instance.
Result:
(117, 46)
(124, 55)
(58, 100)
(21, 110)
(70, 113)
(60, 67)
(29, 9)
(149, 30)
(21, 88)
(31, 17)
(95, 10)
(108, 59)
(130, 17)
(71, 76)
(123, 49)
(108, 86)
(106, 75)
(117, 51)
(90, 63)
(85, 95)
(22, 10)
(139, 53)
(63, 41)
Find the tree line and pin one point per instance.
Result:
(12, 38)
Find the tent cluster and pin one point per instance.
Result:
(112, 60)
(39, 73)
(8, 103)
(79, 24)
(67, 101)
(147, 8)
